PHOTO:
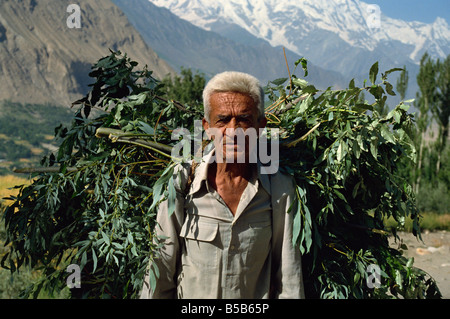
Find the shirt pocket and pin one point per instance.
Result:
(259, 238)
(201, 242)
(260, 233)
(260, 225)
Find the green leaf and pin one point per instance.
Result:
(305, 104)
(340, 195)
(300, 82)
(356, 277)
(297, 223)
(83, 260)
(355, 189)
(373, 73)
(105, 238)
(152, 278)
(389, 88)
(399, 278)
(172, 196)
(158, 188)
(390, 71)
(351, 85)
(279, 81)
(138, 99)
(117, 245)
(361, 107)
(356, 149)
(94, 260)
(374, 147)
(386, 133)
(340, 151)
(397, 116)
(404, 107)
(307, 229)
(147, 129)
(410, 262)
(310, 89)
(134, 251)
(304, 64)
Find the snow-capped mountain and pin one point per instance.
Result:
(184, 45)
(331, 33)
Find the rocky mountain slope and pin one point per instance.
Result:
(43, 60)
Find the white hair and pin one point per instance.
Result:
(231, 81)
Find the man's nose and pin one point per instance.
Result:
(233, 124)
(230, 127)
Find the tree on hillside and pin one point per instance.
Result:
(441, 109)
(186, 88)
(426, 98)
(94, 202)
(430, 173)
(402, 83)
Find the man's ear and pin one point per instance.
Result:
(205, 124)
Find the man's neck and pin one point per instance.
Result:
(230, 181)
(230, 172)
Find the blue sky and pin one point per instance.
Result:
(414, 10)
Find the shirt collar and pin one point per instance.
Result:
(201, 174)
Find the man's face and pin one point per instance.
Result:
(233, 114)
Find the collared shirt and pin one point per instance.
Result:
(211, 253)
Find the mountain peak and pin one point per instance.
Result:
(441, 23)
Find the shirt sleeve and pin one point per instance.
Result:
(287, 278)
(167, 258)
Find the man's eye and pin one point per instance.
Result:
(244, 119)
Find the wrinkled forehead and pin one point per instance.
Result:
(232, 102)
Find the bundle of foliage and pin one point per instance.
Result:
(94, 202)
(344, 153)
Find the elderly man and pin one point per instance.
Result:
(231, 234)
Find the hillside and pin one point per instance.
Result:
(27, 132)
(184, 45)
(42, 60)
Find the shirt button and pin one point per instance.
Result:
(232, 247)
